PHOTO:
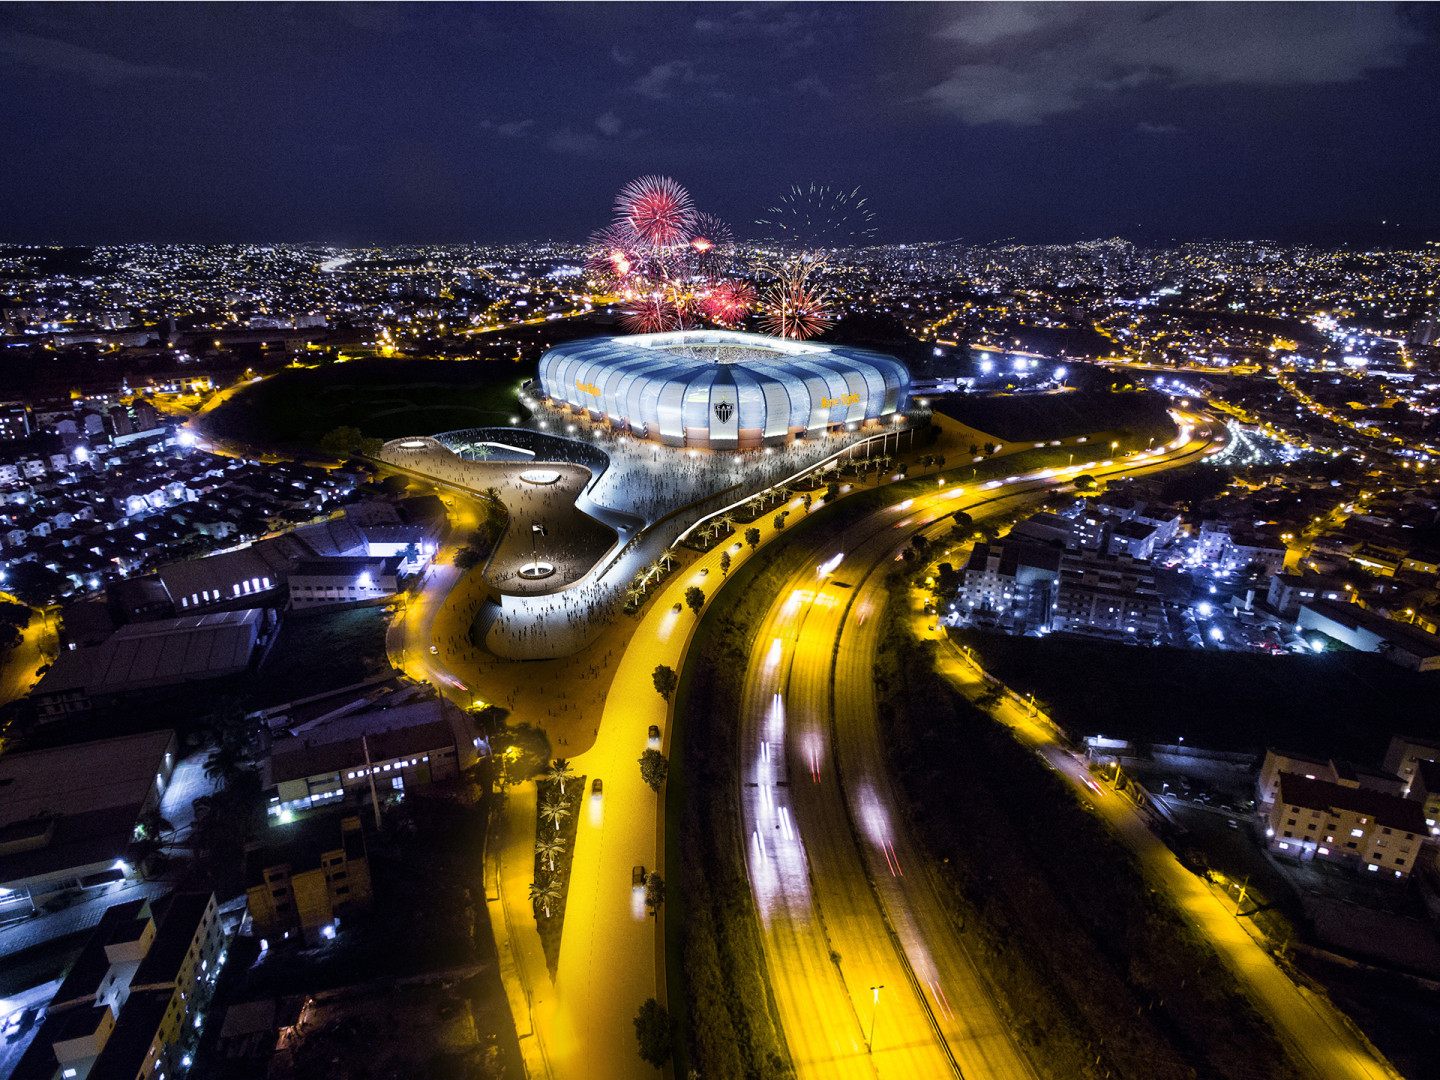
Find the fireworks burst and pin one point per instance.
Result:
(820, 217)
(728, 302)
(794, 305)
(710, 236)
(659, 310)
(657, 210)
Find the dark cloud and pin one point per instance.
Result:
(1024, 63)
(508, 129)
(664, 80)
(97, 68)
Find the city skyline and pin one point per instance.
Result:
(377, 124)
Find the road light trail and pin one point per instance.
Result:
(857, 904)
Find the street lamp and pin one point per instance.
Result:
(874, 1009)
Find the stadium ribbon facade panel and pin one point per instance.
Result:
(722, 390)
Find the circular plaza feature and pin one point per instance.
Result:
(723, 390)
(533, 571)
(540, 476)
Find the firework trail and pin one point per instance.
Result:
(819, 217)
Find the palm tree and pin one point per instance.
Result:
(226, 761)
(559, 772)
(543, 894)
(547, 847)
(554, 812)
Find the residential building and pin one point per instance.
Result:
(1356, 826)
(15, 421)
(1012, 584)
(1425, 789)
(304, 878)
(1405, 753)
(1286, 592)
(1344, 773)
(1115, 595)
(131, 1006)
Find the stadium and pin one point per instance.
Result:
(723, 390)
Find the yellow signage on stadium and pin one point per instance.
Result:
(588, 388)
(847, 399)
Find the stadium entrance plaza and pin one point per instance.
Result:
(618, 506)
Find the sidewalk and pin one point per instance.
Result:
(508, 872)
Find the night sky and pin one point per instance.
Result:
(393, 124)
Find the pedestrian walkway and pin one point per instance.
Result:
(523, 972)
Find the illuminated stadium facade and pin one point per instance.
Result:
(722, 390)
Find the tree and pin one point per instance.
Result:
(554, 812)
(991, 449)
(963, 527)
(560, 770)
(543, 894)
(1086, 482)
(752, 537)
(547, 847)
(832, 491)
(725, 564)
(695, 599)
(974, 449)
(808, 501)
(654, 768)
(652, 1032)
(665, 681)
(467, 558)
(524, 749)
(779, 522)
(488, 719)
(940, 461)
(654, 891)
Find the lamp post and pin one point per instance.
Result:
(874, 1010)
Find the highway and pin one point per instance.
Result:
(834, 870)
(933, 1004)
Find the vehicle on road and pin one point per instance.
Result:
(653, 736)
(597, 787)
(675, 607)
(434, 650)
(704, 571)
(637, 877)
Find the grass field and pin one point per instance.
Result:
(384, 398)
(1032, 417)
(1345, 704)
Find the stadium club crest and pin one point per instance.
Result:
(724, 410)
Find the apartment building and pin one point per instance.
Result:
(306, 877)
(1371, 831)
(132, 1005)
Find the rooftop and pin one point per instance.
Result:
(1390, 811)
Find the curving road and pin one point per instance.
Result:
(844, 894)
(934, 1015)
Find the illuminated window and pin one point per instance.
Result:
(1357, 832)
